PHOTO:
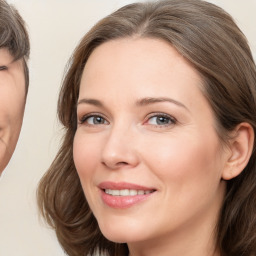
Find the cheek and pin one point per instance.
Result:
(189, 174)
(12, 106)
(85, 154)
(185, 160)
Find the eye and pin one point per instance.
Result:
(161, 120)
(93, 120)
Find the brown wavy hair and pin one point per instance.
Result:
(14, 36)
(211, 41)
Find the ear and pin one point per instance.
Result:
(240, 146)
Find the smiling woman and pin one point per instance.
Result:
(160, 124)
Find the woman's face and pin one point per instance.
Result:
(12, 102)
(146, 150)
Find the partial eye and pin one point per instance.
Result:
(3, 68)
(161, 120)
(93, 120)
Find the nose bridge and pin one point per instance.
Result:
(119, 148)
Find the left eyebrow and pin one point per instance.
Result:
(90, 102)
(149, 100)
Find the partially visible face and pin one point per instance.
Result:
(12, 102)
(146, 150)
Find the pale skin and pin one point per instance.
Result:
(143, 119)
(12, 104)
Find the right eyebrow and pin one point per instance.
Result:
(90, 102)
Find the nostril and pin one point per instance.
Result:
(115, 165)
(122, 163)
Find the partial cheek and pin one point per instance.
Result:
(170, 159)
(85, 156)
(178, 161)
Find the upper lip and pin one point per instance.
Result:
(122, 185)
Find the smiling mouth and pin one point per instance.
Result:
(123, 195)
(125, 198)
(127, 192)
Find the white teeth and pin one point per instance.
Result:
(115, 192)
(133, 192)
(126, 192)
(141, 192)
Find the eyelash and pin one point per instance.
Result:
(171, 120)
(91, 115)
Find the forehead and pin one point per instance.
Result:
(136, 50)
(136, 62)
(5, 56)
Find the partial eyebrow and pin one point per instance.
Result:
(149, 100)
(90, 102)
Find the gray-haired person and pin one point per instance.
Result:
(14, 78)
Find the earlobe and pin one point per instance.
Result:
(241, 146)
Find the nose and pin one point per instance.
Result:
(120, 149)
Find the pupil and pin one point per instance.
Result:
(98, 120)
(162, 120)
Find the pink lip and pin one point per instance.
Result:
(122, 202)
(122, 185)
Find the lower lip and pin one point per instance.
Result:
(123, 202)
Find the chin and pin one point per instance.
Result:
(121, 233)
(119, 237)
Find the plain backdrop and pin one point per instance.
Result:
(55, 27)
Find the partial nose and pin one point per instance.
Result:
(120, 150)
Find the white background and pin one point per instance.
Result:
(55, 27)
